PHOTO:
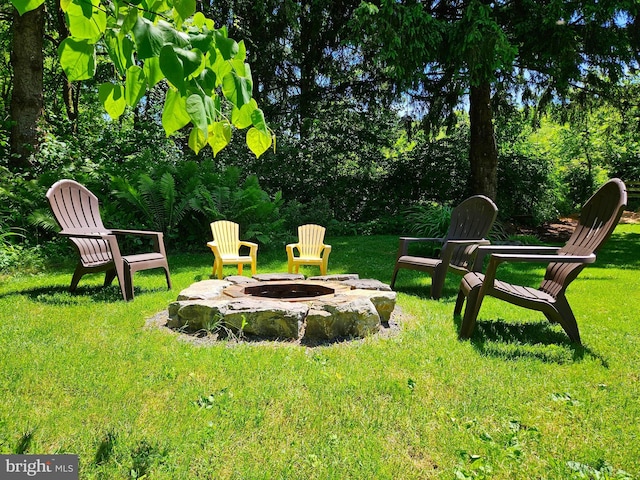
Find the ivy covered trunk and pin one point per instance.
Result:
(26, 98)
(483, 153)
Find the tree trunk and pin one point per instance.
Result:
(483, 152)
(70, 92)
(26, 99)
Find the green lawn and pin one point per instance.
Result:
(81, 374)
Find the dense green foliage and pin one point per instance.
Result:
(208, 83)
(80, 373)
(348, 155)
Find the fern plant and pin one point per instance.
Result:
(159, 201)
(428, 220)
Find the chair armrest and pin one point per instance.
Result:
(484, 250)
(290, 250)
(421, 239)
(158, 237)
(149, 233)
(248, 244)
(450, 245)
(498, 258)
(403, 247)
(501, 257)
(253, 247)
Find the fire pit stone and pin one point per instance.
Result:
(286, 306)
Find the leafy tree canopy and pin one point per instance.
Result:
(210, 84)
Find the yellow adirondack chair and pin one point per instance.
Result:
(226, 248)
(311, 249)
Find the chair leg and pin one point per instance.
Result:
(393, 277)
(77, 275)
(437, 283)
(128, 281)
(168, 277)
(240, 268)
(109, 276)
(474, 301)
(566, 319)
(459, 302)
(217, 269)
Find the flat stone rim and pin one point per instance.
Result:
(238, 291)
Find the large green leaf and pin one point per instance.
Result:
(197, 140)
(192, 61)
(152, 71)
(112, 98)
(86, 20)
(77, 58)
(129, 20)
(24, 6)
(203, 41)
(135, 86)
(148, 37)
(120, 49)
(257, 141)
(198, 113)
(174, 114)
(171, 67)
(172, 36)
(185, 8)
(258, 121)
(221, 68)
(241, 117)
(237, 89)
(219, 136)
(227, 46)
(207, 81)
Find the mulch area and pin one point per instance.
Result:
(560, 230)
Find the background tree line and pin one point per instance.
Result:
(378, 108)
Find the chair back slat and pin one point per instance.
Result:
(310, 240)
(227, 235)
(77, 210)
(471, 219)
(598, 218)
(75, 207)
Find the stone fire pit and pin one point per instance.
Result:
(286, 306)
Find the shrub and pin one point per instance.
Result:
(527, 189)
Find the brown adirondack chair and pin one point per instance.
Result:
(77, 212)
(599, 216)
(470, 223)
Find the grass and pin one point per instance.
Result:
(81, 374)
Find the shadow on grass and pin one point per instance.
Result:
(621, 250)
(422, 292)
(105, 449)
(540, 340)
(60, 295)
(24, 443)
